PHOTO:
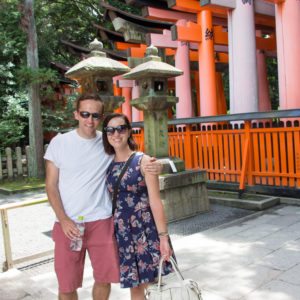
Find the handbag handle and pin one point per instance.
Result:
(175, 267)
(116, 186)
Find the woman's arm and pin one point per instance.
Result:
(157, 210)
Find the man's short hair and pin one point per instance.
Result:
(88, 96)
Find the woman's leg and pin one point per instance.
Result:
(138, 293)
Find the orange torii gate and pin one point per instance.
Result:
(206, 35)
(184, 54)
(203, 35)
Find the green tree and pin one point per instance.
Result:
(36, 162)
(14, 120)
(15, 75)
(13, 101)
(64, 20)
(273, 82)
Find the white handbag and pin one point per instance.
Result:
(183, 289)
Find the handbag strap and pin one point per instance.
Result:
(175, 267)
(116, 186)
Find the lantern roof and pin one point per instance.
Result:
(96, 63)
(152, 67)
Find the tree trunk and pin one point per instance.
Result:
(36, 163)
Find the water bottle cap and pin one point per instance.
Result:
(80, 218)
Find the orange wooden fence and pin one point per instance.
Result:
(244, 152)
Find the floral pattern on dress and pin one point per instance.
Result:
(135, 229)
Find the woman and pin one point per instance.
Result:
(140, 223)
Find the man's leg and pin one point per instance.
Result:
(101, 291)
(68, 265)
(68, 296)
(102, 250)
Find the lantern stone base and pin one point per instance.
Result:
(184, 194)
(166, 165)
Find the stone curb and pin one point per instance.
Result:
(246, 204)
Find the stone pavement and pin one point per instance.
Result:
(256, 257)
(19, 197)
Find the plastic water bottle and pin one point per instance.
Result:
(76, 244)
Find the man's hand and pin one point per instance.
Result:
(153, 166)
(70, 229)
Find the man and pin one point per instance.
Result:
(76, 166)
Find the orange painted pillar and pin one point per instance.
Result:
(208, 93)
(126, 107)
(184, 108)
(137, 115)
(288, 50)
(222, 107)
(197, 88)
(264, 102)
(117, 92)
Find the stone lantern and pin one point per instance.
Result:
(183, 192)
(95, 74)
(152, 79)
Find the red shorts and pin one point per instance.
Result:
(100, 243)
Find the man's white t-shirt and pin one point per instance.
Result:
(82, 165)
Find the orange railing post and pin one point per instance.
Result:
(188, 148)
(245, 157)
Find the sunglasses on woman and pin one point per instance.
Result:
(86, 115)
(121, 129)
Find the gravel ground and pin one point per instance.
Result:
(217, 215)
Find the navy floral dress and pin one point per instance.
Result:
(135, 229)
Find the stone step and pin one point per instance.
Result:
(15, 285)
(290, 201)
(247, 201)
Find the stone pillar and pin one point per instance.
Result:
(156, 132)
(242, 58)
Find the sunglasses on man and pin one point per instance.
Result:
(121, 129)
(86, 115)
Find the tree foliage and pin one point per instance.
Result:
(75, 25)
(64, 20)
(272, 70)
(14, 120)
(56, 20)
(13, 101)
